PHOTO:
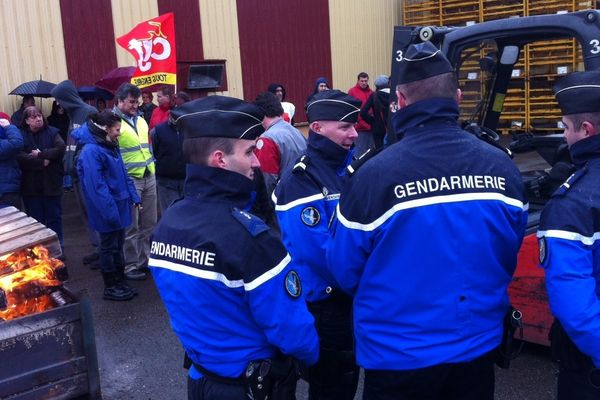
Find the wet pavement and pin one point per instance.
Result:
(141, 359)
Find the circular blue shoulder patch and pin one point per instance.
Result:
(293, 287)
(310, 216)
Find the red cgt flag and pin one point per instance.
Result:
(152, 43)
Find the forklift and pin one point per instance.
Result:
(488, 58)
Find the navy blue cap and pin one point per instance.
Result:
(421, 61)
(218, 116)
(579, 93)
(333, 105)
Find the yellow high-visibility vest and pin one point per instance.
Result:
(135, 148)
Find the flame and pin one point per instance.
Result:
(31, 276)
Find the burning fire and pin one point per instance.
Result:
(27, 277)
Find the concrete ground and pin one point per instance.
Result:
(141, 359)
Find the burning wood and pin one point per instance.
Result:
(29, 280)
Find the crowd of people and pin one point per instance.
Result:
(280, 256)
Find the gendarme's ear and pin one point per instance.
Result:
(216, 159)
(315, 126)
(401, 99)
(458, 96)
(589, 128)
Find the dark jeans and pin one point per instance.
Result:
(48, 211)
(575, 385)
(111, 251)
(335, 376)
(473, 380)
(208, 389)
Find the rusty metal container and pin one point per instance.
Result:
(50, 354)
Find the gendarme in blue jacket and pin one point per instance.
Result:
(225, 279)
(305, 202)
(109, 192)
(570, 250)
(11, 143)
(426, 240)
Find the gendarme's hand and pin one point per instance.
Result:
(4, 122)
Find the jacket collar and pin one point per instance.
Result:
(423, 113)
(218, 184)
(585, 150)
(329, 153)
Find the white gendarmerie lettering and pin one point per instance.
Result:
(199, 257)
(454, 182)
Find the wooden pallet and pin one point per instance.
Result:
(19, 231)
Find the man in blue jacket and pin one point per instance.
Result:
(569, 245)
(225, 280)
(426, 242)
(11, 143)
(305, 201)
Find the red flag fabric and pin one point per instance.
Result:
(152, 43)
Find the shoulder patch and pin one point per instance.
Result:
(543, 249)
(292, 284)
(252, 223)
(310, 216)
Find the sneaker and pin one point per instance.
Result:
(90, 258)
(117, 293)
(135, 275)
(125, 286)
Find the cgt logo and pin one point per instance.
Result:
(156, 46)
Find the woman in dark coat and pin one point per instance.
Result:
(42, 170)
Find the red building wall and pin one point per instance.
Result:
(89, 39)
(286, 42)
(188, 32)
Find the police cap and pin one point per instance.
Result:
(218, 116)
(333, 105)
(421, 61)
(579, 93)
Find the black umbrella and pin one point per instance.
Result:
(93, 92)
(37, 88)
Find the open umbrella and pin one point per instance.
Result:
(113, 79)
(37, 88)
(93, 93)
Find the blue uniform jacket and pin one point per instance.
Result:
(225, 279)
(569, 235)
(109, 192)
(11, 143)
(426, 240)
(305, 202)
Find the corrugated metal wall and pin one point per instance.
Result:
(32, 42)
(126, 15)
(284, 42)
(95, 19)
(220, 40)
(361, 38)
(284, 37)
(187, 27)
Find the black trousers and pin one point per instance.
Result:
(209, 389)
(335, 376)
(473, 380)
(575, 385)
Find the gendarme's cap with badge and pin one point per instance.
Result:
(218, 116)
(579, 93)
(333, 105)
(421, 61)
